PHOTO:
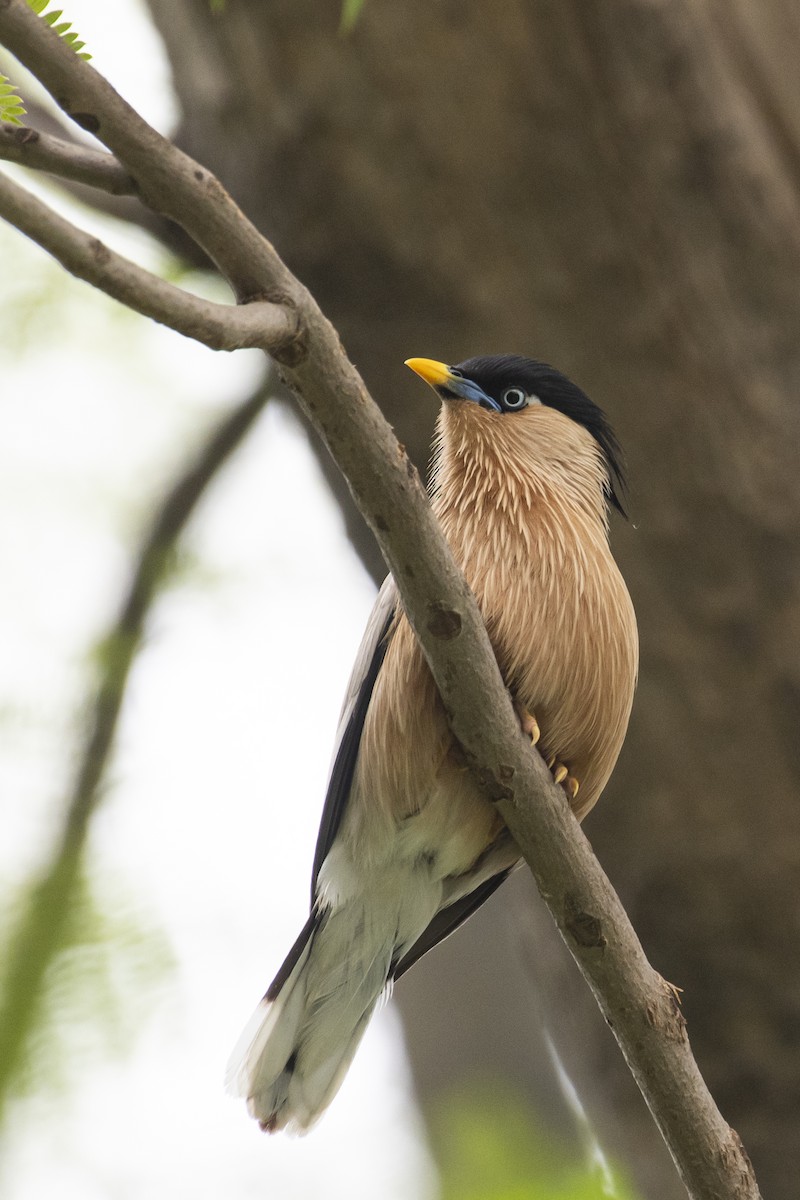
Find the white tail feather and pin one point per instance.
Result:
(295, 1050)
(266, 1041)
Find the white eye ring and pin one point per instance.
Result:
(514, 398)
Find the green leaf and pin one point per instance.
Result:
(351, 10)
(11, 106)
(63, 28)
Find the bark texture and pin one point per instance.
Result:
(612, 188)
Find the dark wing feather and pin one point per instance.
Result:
(293, 957)
(447, 920)
(368, 663)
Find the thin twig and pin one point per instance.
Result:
(68, 160)
(220, 326)
(101, 183)
(38, 935)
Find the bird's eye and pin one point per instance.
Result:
(457, 373)
(514, 398)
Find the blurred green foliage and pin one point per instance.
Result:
(491, 1147)
(351, 10)
(39, 295)
(98, 989)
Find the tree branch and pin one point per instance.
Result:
(68, 160)
(168, 181)
(38, 935)
(220, 326)
(96, 179)
(637, 1004)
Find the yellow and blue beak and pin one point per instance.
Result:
(450, 384)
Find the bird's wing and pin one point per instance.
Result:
(368, 662)
(351, 722)
(447, 920)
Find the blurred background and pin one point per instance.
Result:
(612, 188)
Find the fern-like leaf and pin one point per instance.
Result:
(63, 28)
(11, 106)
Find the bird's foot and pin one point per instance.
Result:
(673, 990)
(561, 775)
(530, 727)
(571, 786)
(528, 723)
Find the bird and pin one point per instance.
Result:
(525, 470)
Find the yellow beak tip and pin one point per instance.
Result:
(434, 373)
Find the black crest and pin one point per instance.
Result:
(495, 373)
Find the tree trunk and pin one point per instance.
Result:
(612, 188)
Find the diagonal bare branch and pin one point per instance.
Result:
(637, 1004)
(220, 326)
(68, 160)
(37, 937)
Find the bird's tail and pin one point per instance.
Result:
(295, 1051)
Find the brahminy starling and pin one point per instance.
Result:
(525, 470)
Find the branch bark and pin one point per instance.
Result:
(68, 160)
(91, 176)
(220, 326)
(640, 1008)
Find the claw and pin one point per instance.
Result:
(673, 989)
(561, 775)
(528, 724)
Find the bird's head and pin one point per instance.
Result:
(509, 387)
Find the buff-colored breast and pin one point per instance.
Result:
(520, 498)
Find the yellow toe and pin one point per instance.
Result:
(528, 723)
